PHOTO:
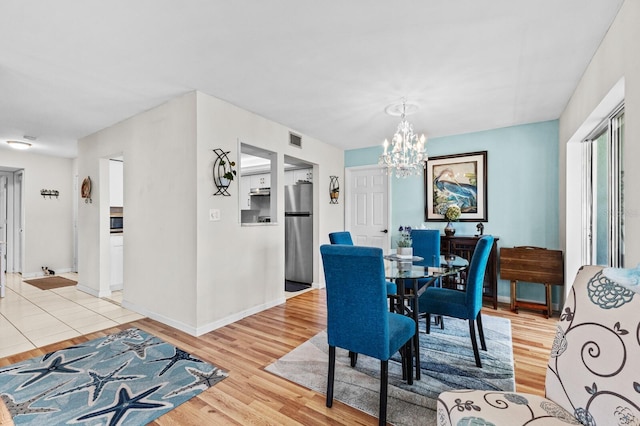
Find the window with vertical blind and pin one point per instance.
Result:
(603, 197)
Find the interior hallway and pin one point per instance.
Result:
(31, 318)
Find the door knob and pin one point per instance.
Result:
(385, 231)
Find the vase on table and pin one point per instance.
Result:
(405, 252)
(449, 230)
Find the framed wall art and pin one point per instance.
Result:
(459, 179)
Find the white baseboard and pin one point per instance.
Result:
(238, 316)
(41, 274)
(93, 291)
(158, 317)
(198, 331)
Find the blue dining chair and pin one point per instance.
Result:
(344, 237)
(463, 304)
(358, 319)
(426, 244)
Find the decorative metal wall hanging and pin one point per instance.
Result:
(223, 172)
(334, 189)
(85, 190)
(49, 193)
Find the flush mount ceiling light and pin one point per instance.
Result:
(408, 154)
(19, 144)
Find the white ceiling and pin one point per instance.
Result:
(327, 69)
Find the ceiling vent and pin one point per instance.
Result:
(295, 140)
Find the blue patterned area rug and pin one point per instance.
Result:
(446, 359)
(130, 377)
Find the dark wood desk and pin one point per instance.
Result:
(463, 246)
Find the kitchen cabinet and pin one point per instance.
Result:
(262, 180)
(245, 188)
(464, 246)
(116, 252)
(293, 176)
(303, 174)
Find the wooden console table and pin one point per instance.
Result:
(463, 246)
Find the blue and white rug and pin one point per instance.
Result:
(446, 359)
(130, 377)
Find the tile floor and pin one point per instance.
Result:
(30, 317)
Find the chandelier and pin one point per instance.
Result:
(407, 154)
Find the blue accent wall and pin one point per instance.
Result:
(522, 190)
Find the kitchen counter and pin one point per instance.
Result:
(259, 224)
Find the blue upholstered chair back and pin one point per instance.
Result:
(341, 238)
(426, 244)
(475, 277)
(358, 312)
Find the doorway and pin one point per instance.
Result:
(12, 217)
(116, 223)
(298, 225)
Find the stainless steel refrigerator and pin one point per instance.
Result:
(298, 232)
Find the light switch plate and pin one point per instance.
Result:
(214, 215)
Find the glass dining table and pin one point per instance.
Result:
(407, 277)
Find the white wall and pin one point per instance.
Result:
(48, 233)
(241, 268)
(158, 148)
(617, 62)
(179, 267)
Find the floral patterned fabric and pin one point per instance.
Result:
(593, 374)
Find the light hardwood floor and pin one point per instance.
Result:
(251, 395)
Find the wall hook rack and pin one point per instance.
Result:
(49, 193)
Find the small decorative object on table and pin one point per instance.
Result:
(480, 228)
(452, 214)
(449, 258)
(405, 251)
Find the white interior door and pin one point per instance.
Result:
(367, 206)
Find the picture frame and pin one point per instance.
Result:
(459, 179)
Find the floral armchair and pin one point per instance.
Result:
(593, 374)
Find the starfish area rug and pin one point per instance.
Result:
(130, 377)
